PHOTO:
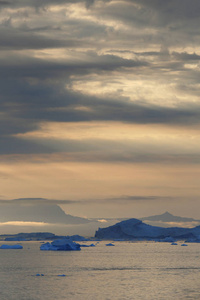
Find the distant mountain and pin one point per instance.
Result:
(134, 229)
(167, 217)
(30, 210)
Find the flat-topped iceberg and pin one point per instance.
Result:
(61, 245)
(11, 247)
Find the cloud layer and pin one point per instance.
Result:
(99, 82)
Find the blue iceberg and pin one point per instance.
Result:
(84, 245)
(60, 245)
(134, 229)
(11, 247)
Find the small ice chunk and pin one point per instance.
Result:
(110, 244)
(184, 245)
(62, 275)
(91, 245)
(173, 243)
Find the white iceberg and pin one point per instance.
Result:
(60, 245)
(11, 247)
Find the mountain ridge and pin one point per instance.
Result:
(168, 217)
(36, 210)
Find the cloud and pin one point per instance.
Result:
(84, 62)
(132, 198)
(17, 223)
(37, 3)
(173, 224)
(121, 198)
(34, 201)
(12, 39)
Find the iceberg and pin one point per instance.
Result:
(60, 245)
(16, 239)
(91, 245)
(11, 247)
(134, 229)
(77, 238)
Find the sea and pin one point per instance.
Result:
(128, 270)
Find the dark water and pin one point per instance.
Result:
(126, 271)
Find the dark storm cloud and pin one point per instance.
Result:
(31, 93)
(125, 111)
(99, 151)
(172, 9)
(14, 39)
(24, 103)
(158, 13)
(12, 145)
(4, 3)
(38, 3)
(35, 90)
(45, 3)
(171, 23)
(184, 56)
(22, 66)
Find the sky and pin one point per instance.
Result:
(99, 105)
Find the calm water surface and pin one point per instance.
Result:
(126, 271)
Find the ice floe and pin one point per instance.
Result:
(84, 245)
(11, 247)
